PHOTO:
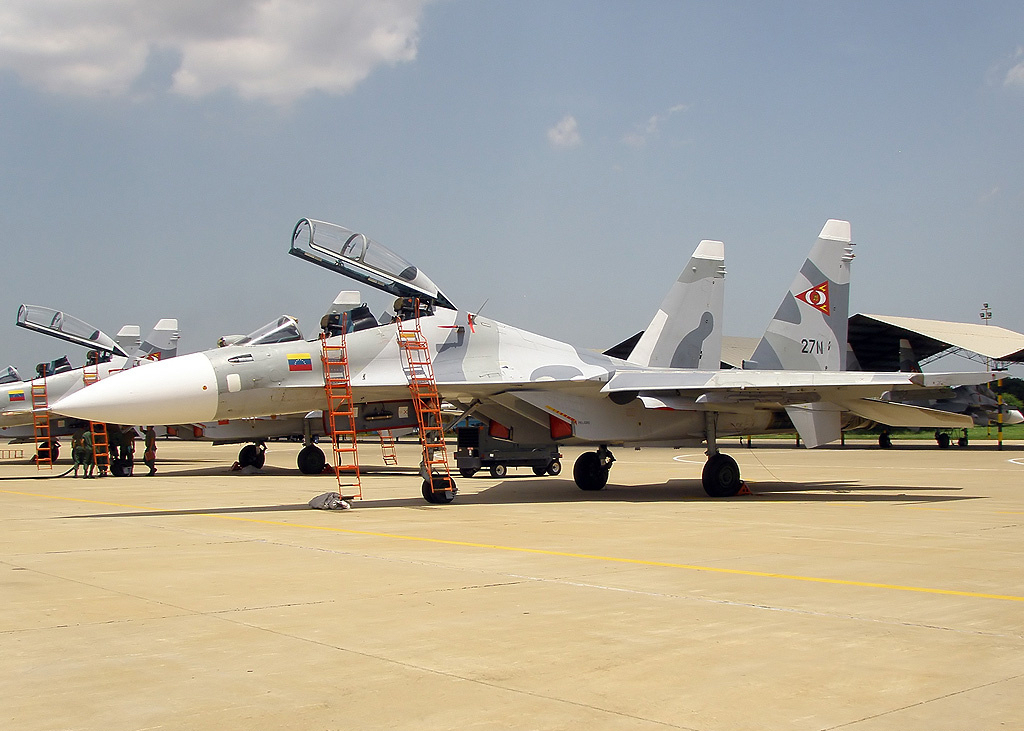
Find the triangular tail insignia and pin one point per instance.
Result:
(816, 297)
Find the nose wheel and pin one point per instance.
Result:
(311, 460)
(591, 469)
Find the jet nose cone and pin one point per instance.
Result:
(181, 390)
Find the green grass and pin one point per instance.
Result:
(974, 434)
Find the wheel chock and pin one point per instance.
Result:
(744, 490)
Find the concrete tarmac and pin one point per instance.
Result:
(856, 589)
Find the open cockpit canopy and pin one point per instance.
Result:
(64, 326)
(355, 255)
(282, 330)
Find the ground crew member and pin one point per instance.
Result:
(150, 456)
(78, 452)
(87, 453)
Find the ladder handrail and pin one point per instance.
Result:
(340, 406)
(41, 424)
(427, 402)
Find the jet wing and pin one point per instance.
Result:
(739, 389)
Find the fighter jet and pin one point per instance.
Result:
(973, 405)
(107, 355)
(541, 390)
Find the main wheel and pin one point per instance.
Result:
(498, 471)
(589, 473)
(311, 460)
(554, 467)
(721, 476)
(439, 490)
(942, 439)
(884, 440)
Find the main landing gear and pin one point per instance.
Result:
(721, 474)
(591, 469)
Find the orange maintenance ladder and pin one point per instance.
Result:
(100, 437)
(387, 447)
(340, 416)
(438, 486)
(41, 425)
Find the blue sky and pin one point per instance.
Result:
(558, 160)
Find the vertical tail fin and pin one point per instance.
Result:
(129, 338)
(686, 332)
(808, 332)
(160, 344)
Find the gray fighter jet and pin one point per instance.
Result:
(108, 355)
(542, 391)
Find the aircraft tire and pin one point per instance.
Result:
(554, 467)
(311, 460)
(498, 471)
(439, 497)
(942, 439)
(50, 450)
(721, 476)
(251, 456)
(589, 473)
(884, 440)
(962, 442)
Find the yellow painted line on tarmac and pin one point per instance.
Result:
(546, 552)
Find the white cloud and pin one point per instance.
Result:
(640, 134)
(273, 50)
(566, 133)
(1015, 76)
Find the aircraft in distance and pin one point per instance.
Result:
(541, 390)
(107, 355)
(978, 404)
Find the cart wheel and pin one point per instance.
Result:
(498, 470)
(554, 468)
(467, 471)
(539, 471)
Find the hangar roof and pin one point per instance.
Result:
(875, 340)
(736, 350)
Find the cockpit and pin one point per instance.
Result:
(282, 330)
(9, 375)
(355, 255)
(62, 325)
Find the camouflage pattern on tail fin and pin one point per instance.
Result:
(808, 332)
(160, 344)
(686, 332)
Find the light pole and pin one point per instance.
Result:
(986, 315)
